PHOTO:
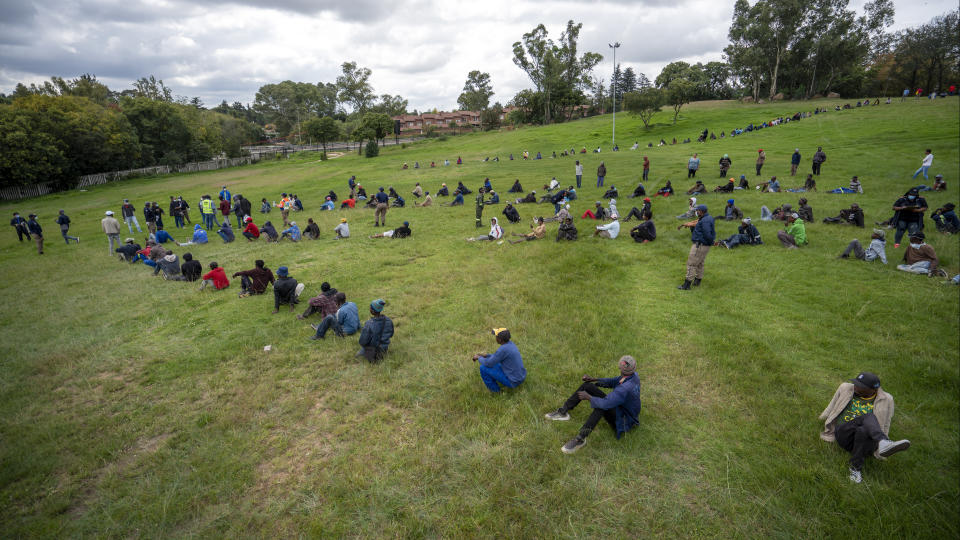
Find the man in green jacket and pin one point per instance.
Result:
(793, 234)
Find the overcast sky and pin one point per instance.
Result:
(420, 49)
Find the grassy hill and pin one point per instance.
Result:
(133, 406)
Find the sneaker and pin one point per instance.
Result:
(314, 326)
(942, 273)
(78, 239)
(887, 448)
(244, 294)
(557, 415)
(573, 445)
(856, 476)
(315, 337)
(896, 246)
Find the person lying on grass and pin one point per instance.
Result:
(503, 367)
(400, 232)
(496, 233)
(620, 408)
(528, 198)
(215, 277)
(255, 280)
(286, 290)
(876, 249)
(848, 216)
(376, 333)
(539, 231)
(747, 234)
(344, 322)
(858, 419)
(562, 214)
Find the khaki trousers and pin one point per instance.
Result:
(698, 253)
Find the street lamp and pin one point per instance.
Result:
(615, 46)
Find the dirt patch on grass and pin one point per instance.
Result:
(332, 155)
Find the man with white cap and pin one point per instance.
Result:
(702, 236)
(111, 227)
(619, 408)
(858, 419)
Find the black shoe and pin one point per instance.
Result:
(685, 286)
(315, 337)
(696, 282)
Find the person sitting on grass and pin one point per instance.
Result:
(376, 333)
(128, 251)
(292, 232)
(691, 209)
(312, 231)
(743, 184)
(773, 186)
(226, 232)
(503, 367)
(327, 204)
(598, 212)
(920, 258)
(611, 193)
(463, 189)
(697, 189)
(443, 191)
(858, 419)
(642, 214)
(539, 231)
(946, 219)
(345, 322)
(794, 234)
(562, 214)
(644, 232)
(402, 231)
(427, 201)
(342, 229)
(199, 235)
(286, 290)
(324, 303)
(457, 199)
(399, 202)
(665, 191)
(190, 269)
(271, 232)
(810, 184)
(162, 236)
(639, 191)
(848, 216)
(516, 187)
(726, 187)
(876, 249)
(731, 212)
(528, 198)
(804, 210)
(215, 277)
(170, 266)
(265, 206)
(939, 184)
(251, 232)
(494, 198)
(349, 203)
(610, 230)
(567, 230)
(255, 280)
(747, 235)
(417, 191)
(620, 408)
(496, 233)
(511, 213)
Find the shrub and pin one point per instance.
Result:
(372, 149)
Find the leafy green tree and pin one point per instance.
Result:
(490, 117)
(679, 93)
(353, 87)
(378, 124)
(644, 103)
(476, 92)
(324, 129)
(629, 81)
(390, 105)
(31, 154)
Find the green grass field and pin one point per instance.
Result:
(136, 407)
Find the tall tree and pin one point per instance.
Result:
(476, 92)
(324, 129)
(629, 80)
(390, 105)
(353, 87)
(644, 103)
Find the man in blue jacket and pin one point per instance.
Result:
(376, 333)
(619, 408)
(702, 236)
(504, 366)
(345, 322)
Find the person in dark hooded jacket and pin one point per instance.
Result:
(190, 268)
(376, 334)
(170, 266)
(516, 188)
(286, 290)
(567, 230)
(271, 232)
(226, 232)
(848, 216)
(511, 213)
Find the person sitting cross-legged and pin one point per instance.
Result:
(345, 322)
(619, 408)
(286, 290)
(503, 367)
(567, 230)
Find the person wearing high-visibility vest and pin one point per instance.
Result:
(207, 211)
(284, 206)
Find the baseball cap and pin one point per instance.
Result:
(866, 380)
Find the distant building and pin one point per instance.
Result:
(416, 124)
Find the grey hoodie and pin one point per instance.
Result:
(170, 266)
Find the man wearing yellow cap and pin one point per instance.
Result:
(342, 229)
(505, 366)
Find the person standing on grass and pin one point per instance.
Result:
(225, 208)
(175, 212)
(818, 158)
(224, 193)
(207, 212)
(761, 158)
(345, 322)
(794, 161)
(794, 233)
(876, 249)
(702, 236)
(578, 171)
(503, 367)
(286, 290)
(620, 408)
(111, 227)
(725, 163)
(858, 419)
(20, 225)
(36, 232)
(324, 303)
(216, 277)
(646, 168)
(380, 214)
(693, 164)
(64, 221)
(255, 280)
(149, 219)
(925, 165)
(129, 214)
(376, 333)
(909, 211)
(601, 174)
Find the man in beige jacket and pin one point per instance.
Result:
(111, 227)
(858, 419)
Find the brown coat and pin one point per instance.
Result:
(882, 409)
(925, 253)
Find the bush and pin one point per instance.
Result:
(372, 149)
(443, 137)
(403, 145)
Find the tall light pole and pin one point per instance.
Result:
(615, 46)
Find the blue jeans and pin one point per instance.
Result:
(922, 169)
(207, 221)
(493, 375)
(239, 221)
(224, 237)
(905, 227)
(579, 178)
(178, 221)
(736, 239)
(329, 322)
(599, 181)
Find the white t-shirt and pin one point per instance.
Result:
(580, 170)
(613, 228)
(927, 160)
